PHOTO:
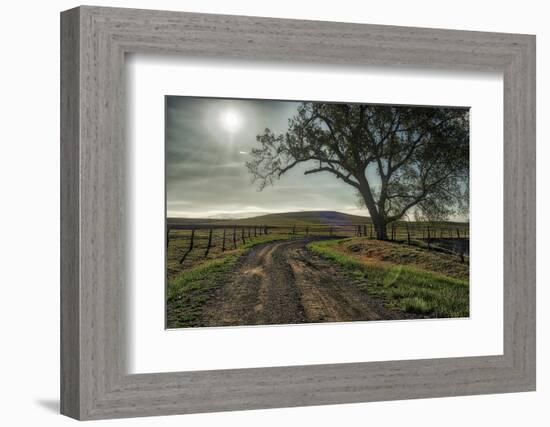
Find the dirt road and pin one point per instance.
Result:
(282, 283)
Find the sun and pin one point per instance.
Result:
(231, 121)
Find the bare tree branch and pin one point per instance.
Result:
(420, 155)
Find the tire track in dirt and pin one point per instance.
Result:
(284, 283)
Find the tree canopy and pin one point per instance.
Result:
(419, 156)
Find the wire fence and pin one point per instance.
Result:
(203, 239)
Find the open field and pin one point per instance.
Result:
(326, 219)
(320, 270)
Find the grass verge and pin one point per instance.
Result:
(409, 288)
(402, 254)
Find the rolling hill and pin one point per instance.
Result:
(282, 219)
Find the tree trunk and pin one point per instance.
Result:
(379, 220)
(380, 228)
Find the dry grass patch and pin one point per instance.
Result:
(402, 254)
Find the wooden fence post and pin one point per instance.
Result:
(429, 238)
(223, 241)
(254, 231)
(167, 236)
(190, 246)
(242, 235)
(458, 233)
(249, 232)
(408, 234)
(209, 243)
(294, 229)
(234, 237)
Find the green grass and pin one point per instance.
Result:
(415, 305)
(188, 291)
(406, 287)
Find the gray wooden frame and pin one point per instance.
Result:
(94, 41)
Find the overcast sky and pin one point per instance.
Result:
(207, 145)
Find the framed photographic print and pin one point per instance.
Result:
(262, 213)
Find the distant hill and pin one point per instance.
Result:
(282, 219)
(307, 217)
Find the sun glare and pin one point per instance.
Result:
(231, 121)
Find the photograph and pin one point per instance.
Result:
(284, 212)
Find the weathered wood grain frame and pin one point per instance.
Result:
(94, 41)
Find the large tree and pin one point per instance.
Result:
(399, 159)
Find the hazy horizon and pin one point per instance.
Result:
(258, 214)
(222, 217)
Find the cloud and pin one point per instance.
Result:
(205, 164)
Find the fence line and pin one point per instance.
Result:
(222, 236)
